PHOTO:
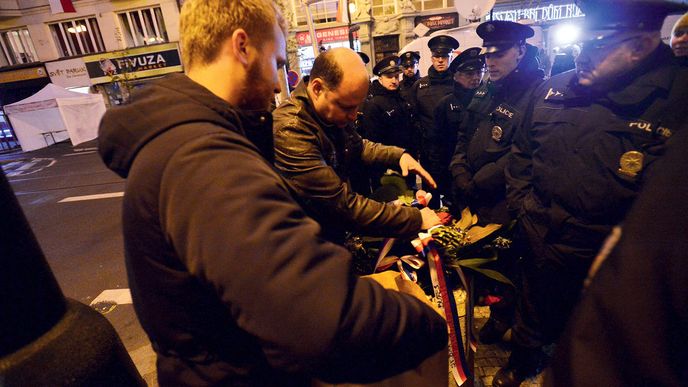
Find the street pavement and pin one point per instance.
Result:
(81, 239)
(72, 202)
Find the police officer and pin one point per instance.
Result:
(425, 96)
(409, 65)
(644, 316)
(592, 137)
(468, 70)
(385, 117)
(485, 135)
(484, 141)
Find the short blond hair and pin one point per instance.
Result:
(681, 24)
(204, 25)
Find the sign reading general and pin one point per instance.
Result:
(140, 62)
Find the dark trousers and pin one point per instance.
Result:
(552, 271)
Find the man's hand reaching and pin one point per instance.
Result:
(409, 164)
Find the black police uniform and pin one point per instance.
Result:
(450, 109)
(385, 117)
(406, 84)
(626, 332)
(578, 163)
(426, 94)
(485, 135)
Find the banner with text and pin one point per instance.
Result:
(68, 73)
(135, 63)
(328, 35)
(543, 13)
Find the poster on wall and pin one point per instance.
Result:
(68, 73)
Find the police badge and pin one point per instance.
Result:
(631, 163)
(497, 133)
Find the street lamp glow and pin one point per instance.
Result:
(566, 34)
(352, 7)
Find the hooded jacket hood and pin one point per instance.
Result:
(124, 130)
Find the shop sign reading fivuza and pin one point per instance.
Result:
(140, 62)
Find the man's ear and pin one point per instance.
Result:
(521, 51)
(317, 86)
(642, 46)
(238, 46)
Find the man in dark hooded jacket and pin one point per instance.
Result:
(425, 95)
(229, 277)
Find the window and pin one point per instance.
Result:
(17, 47)
(143, 26)
(77, 37)
(324, 11)
(384, 7)
(422, 5)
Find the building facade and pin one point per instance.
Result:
(381, 27)
(108, 46)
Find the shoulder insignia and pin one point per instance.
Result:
(552, 94)
(480, 93)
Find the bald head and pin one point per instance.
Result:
(329, 66)
(336, 94)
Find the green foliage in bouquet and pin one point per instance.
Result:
(461, 240)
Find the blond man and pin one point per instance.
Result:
(229, 277)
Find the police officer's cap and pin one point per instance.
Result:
(469, 60)
(388, 64)
(409, 58)
(442, 45)
(604, 18)
(500, 35)
(364, 57)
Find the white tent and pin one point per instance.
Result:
(55, 114)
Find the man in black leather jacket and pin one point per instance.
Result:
(317, 148)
